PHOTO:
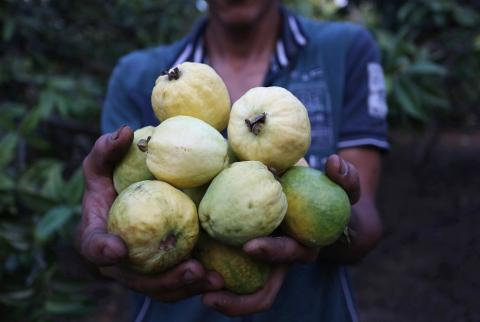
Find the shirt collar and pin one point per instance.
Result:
(291, 40)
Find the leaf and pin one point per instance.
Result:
(465, 17)
(68, 286)
(41, 185)
(66, 307)
(7, 151)
(6, 183)
(30, 121)
(16, 235)
(407, 102)
(52, 221)
(426, 68)
(12, 297)
(73, 189)
(436, 100)
(8, 29)
(10, 113)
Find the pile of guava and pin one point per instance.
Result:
(186, 191)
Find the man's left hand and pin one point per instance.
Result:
(281, 251)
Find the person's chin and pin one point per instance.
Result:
(238, 13)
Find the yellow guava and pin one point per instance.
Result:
(133, 167)
(192, 89)
(243, 202)
(269, 124)
(186, 152)
(157, 222)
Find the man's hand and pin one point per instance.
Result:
(281, 251)
(107, 251)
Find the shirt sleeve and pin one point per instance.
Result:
(118, 108)
(364, 108)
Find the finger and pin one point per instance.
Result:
(233, 305)
(280, 249)
(345, 175)
(187, 274)
(102, 248)
(95, 244)
(108, 149)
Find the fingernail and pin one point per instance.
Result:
(343, 169)
(189, 277)
(116, 134)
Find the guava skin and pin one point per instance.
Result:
(186, 152)
(318, 209)
(196, 90)
(241, 273)
(157, 222)
(243, 202)
(269, 124)
(133, 167)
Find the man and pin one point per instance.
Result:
(334, 69)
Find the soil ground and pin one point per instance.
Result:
(425, 269)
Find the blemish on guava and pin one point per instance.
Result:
(167, 243)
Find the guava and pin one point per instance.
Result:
(186, 152)
(269, 124)
(243, 202)
(192, 89)
(241, 273)
(157, 222)
(133, 167)
(318, 209)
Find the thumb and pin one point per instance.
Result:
(108, 150)
(345, 175)
(102, 248)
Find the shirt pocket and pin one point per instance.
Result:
(314, 94)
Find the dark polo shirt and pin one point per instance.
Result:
(334, 69)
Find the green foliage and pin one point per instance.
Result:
(430, 55)
(56, 59)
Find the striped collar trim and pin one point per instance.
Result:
(292, 39)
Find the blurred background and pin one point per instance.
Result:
(56, 59)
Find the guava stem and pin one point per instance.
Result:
(143, 144)
(173, 74)
(255, 124)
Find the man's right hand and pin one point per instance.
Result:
(106, 251)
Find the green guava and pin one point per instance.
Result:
(243, 202)
(241, 273)
(318, 209)
(133, 167)
(157, 222)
